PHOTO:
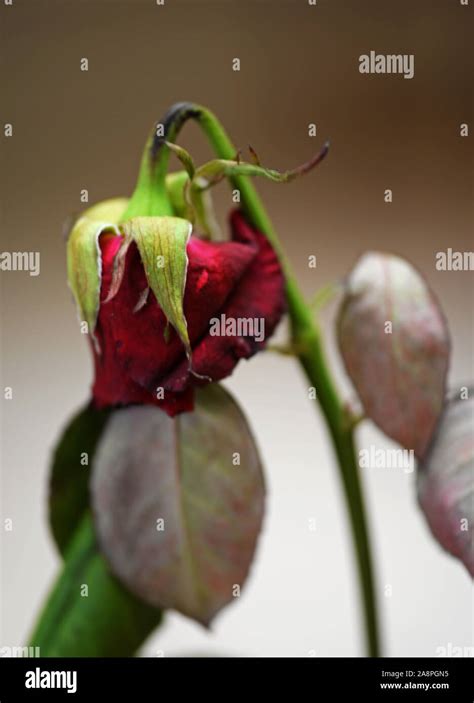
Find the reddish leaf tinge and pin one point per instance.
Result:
(446, 481)
(178, 503)
(395, 344)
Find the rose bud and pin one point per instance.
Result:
(150, 298)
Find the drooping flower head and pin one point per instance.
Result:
(141, 358)
(151, 288)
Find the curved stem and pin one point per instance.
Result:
(150, 196)
(306, 338)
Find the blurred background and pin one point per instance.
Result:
(75, 130)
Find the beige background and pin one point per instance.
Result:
(299, 64)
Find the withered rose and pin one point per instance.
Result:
(140, 358)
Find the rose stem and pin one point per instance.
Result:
(306, 337)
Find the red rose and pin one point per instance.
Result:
(239, 279)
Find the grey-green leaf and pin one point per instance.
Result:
(178, 503)
(395, 344)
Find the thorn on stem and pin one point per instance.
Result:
(254, 155)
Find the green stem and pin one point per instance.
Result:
(150, 197)
(306, 338)
(88, 612)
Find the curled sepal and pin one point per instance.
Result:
(162, 243)
(184, 156)
(84, 266)
(196, 206)
(178, 503)
(446, 480)
(395, 344)
(175, 186)
(214, 171)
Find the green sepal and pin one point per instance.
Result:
(83, 252)
(175, 187)
(84, 266)
(184, 156)
(214, 171)
(110, 210)
(162, 243)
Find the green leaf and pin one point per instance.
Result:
(84, 266)
(70, 473)
(162, 242)
(109, 621)
(178, 502)
(106, 621)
